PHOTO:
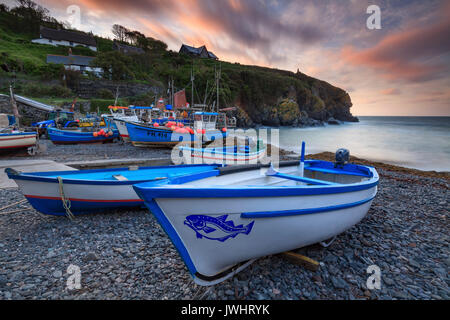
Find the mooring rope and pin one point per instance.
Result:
(66, 202)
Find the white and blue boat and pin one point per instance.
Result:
(220, 224)
(58, 136)
(240, 154)
(86, 191)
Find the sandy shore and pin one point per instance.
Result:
(126, 255)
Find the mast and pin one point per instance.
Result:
(14, 106)
(192, 82)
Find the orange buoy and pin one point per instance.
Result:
(156, 124)
(224, 129)
(95, 134)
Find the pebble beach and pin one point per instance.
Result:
(127, 255)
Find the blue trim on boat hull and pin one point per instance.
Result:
(173, 235)
(288, 213)
(56, 208)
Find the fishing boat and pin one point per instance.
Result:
(13, 138)
(17, 139)
(226, 154)
(58, 136)
(137, 114)
(220, 224)
(171, 134)
(86, 191)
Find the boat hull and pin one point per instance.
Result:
(220, 155)
(220, 230)
(87, 195)
(76, 137)
(122, 127)
(18, 140)
(143, 136)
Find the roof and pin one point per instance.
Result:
(71, 36)
(207, 113)
(197, 51)
(70, 60)
(141, 107)
(126, 48)
(212, 55)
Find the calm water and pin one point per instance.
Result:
(415, 142)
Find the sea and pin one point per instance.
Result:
(415, 142)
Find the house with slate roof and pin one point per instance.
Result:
(126, 49)
(66, 38)
(75, 62)
(201, 52)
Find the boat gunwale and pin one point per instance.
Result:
(209, 151)
(243, 191)
(49, 176)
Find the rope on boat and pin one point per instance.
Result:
(66, 202)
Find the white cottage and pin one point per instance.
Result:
(75, 62)
(66, 38)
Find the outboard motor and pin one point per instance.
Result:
(342, 157)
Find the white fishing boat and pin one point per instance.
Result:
(17, 139)
(239, 154)
(222, 223)
(11, 138)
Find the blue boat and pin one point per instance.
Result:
(87, 191)
(58, 136)
(148, 135)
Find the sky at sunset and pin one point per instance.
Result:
(401, 69)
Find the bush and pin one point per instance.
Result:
(105, 94)
(101, 105)
(40, 90)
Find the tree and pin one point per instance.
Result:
(115, 65)
(119, 32)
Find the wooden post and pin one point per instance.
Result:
(301, 260)
(14, 106)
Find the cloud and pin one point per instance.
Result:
(414, 55)
(390, 91)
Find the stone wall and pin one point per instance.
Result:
(89, 88)
(28, 114)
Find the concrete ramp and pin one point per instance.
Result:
(27, 166)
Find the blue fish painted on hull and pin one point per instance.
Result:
(220, 225)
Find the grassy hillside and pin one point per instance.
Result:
(265, 96)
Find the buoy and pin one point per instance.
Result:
(173, 128)
(156, 124)
(95, 134)
(224, 129)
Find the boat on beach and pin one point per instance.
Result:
(220, 224)
(87, 191)
(171, 134)
(17, 140)
(76, 136)
(226, 154)
(12, 138)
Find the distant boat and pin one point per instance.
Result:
(87, 191)
(12, 138)
(58, 136)
(17, 140)
(227, 154)
(142, 135)
(222, 223)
